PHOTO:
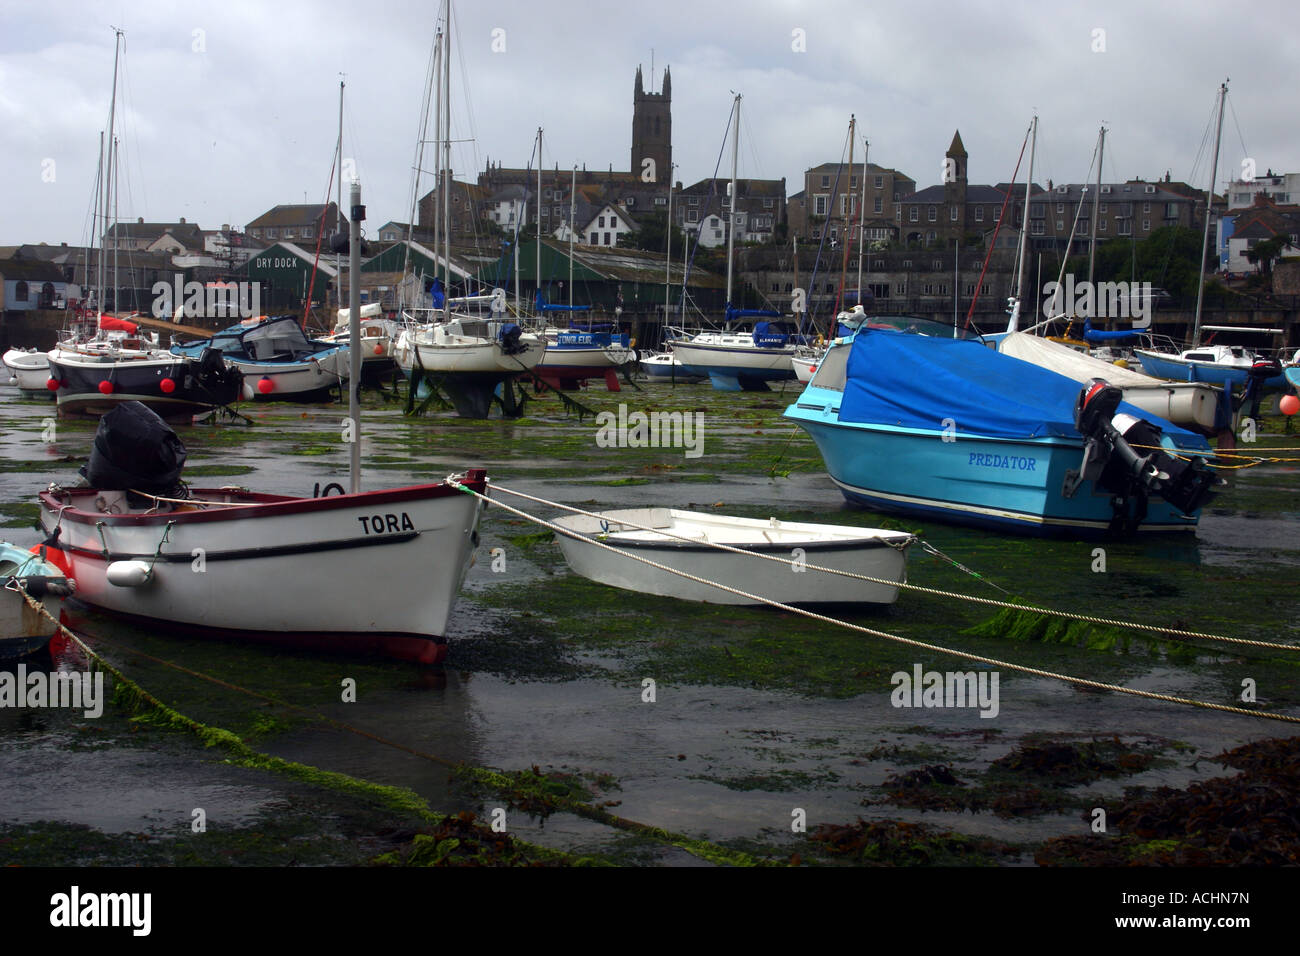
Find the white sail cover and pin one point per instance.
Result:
(1069, 362)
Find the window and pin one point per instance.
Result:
(1037, 210)
(769, 203)
(937, 265)
(557, 210)
(1126, 227)
(907, 263)
(934, 214)
(1150, 189)
(898, 214)
(606, 238)
(308, 232)
(1036, 227)
(1171, 210)
(717, 233)
(600, 221)
(1060, 208)
(1146, 207)
(270, 233)
(819, 205)
(952, 213)
(1101, 225)
(927, 288)
(826, 182)
(930, 236)
(1104, 190)
(595, 239)
(1146, 225)
(1104, 207)
(878, 206)
(694, 201)
(853, 182)
(979, 213)
(661, 201)
(914, 214)
(896, 195)
(1060, 225)
(693, 216)
(880, 182)
(20, 291)
(900, 289)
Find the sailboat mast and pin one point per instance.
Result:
(668, 266)
(108, 171)
(1209, 205)
(1096, 206)
(1024, 232)
(848, 217)
(338, 209)
(539, 214)
(862, 212)
(731, 230)
(446, 170)
(573, 199)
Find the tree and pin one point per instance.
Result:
(1266, 252)
(652, 235)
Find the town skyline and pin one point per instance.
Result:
(226, 112)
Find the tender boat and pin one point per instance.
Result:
(684, 540)
(229, 562)
(277, 359)
(950, 429)
(30, 370)
(23, 629)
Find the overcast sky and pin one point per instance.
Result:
(227, 109)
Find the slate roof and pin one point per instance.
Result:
(296, 215)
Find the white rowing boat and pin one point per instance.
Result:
(685, 541)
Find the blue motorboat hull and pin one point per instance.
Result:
(1001, 484)
(1183, 371)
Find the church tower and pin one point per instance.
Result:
(652, 131)
(954, 185)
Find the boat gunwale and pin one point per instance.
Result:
(260, 505)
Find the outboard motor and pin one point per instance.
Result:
(508, 338)
(135, 450)
(1260, 372)
(1112, 464)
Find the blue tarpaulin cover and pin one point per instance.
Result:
(918, 381)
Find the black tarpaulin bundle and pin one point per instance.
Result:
(135, 450)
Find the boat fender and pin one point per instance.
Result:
(129, 574)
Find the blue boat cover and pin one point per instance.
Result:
(918, 381)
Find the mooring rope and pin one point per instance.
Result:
(1174, 633)
(912, 642)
